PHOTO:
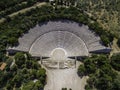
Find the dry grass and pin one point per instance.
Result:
(109, 20)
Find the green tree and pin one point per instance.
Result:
(13, 41)
(105, 40)
(28, 86)
(81, 70)
(35, 65)
(20, 59)
(41, 75)
(38, 86)
(18, 80)
(64, 88)
(116, 84)
(91, 82)
(115, 61)
(14, 68)
(90, 66)
(104, 82)
(118, 42)
(9, 87)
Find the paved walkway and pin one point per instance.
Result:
(64, 78)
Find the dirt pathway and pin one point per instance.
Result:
(64, 78)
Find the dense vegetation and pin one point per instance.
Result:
(100, 72)
(26, 72)
(6, 4)
(118, 42)
(115, 61)
(8, 8)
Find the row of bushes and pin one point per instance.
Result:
(6, 3)
(118, 42)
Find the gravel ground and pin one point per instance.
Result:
(64, 78)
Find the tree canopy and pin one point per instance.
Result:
(115, 61)
(100, 72)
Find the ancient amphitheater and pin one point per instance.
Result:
(75, 39)
(59, 40)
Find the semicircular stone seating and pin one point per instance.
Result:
(73, 45)
(75, 39)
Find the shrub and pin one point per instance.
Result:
(118, 42)
(115, 61)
